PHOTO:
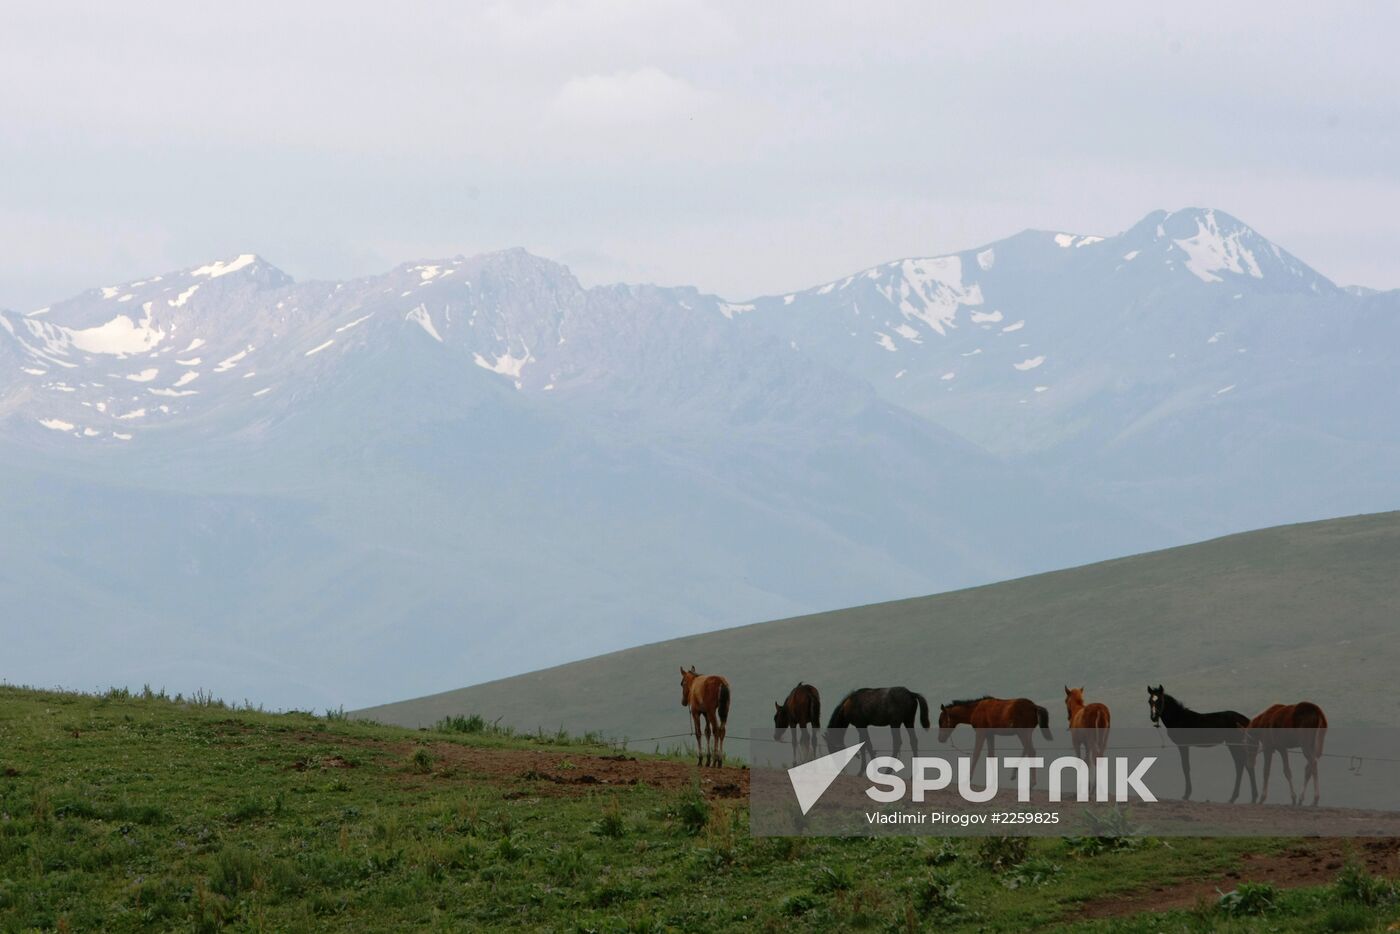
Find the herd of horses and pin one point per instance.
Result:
(1282, 727)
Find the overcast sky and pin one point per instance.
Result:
(744, 148)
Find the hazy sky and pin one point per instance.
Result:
(744, 148)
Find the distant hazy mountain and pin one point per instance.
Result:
(318, 493)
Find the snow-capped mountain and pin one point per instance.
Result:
(467, 467)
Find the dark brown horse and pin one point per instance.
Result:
(707, 696)
(866, 707)
(991, 717)
(802, 709)
(1280, 728)
(1088, 726)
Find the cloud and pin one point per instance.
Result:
(647, 95)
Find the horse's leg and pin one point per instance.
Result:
(1240, 755)
(913, 740)
(1293, 796)
(1317, 789)
(1185, 752)
(1268, 767)
(699, 749)
(721, 728)
(709, 739)
(1245, 764)
(1028, 750)
(895, 741)
(867, 749)
(976, 753)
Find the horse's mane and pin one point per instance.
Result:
(970, 700)
(1169, 701)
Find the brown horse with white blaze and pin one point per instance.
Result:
(1283, 727)
(1088, 726)
(991, 717)
(707, 696)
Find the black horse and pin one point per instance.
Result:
(1187, 728)
(866, 707)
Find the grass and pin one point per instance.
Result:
(133, 812)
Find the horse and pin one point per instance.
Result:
(991, 717)
(1088, 726)
(893, 707)
(707, 696)
(1280, 728)
(803, 708)
(1187, 728)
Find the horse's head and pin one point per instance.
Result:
(946, 722)
(687, 679)
(780, 720)
(1156, 700)
(1074, 699)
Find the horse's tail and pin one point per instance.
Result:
(723, 702)
(1317, 722)
(1042, 717)
(923, 710)
(816, 710)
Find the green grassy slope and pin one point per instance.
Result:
(126, 813)
(1304, 611)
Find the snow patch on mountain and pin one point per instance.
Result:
(931, 290)
(359, 320)
(1211, 251)
(216, 269)
(420, 316)
(505, 364)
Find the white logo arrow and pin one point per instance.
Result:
(810, 780)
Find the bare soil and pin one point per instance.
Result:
(1309, 863)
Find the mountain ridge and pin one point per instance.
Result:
(482, 456)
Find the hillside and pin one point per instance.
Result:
(146, 813)
(1282, 614)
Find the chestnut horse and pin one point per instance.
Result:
(803, 708)
(991, 717)
(1280, 728)
(1088, 726)
(707, 696)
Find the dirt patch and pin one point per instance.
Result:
(530, 772)
(321, 762)
(1312, 863)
